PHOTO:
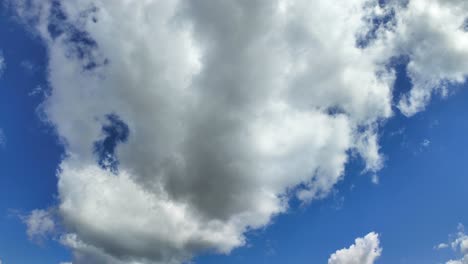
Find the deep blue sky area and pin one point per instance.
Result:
(419, 199)
(30, 155)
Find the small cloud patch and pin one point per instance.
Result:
(365, 250)
(40, 224)
(2, 139)
(2, 64)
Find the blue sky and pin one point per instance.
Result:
(417, 203)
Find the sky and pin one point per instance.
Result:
(150, 132)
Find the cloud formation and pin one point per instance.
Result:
(434, 37)
(459, 245)
(189, 123)
(365, 250)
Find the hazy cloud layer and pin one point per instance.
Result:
(188, 123)
(365, 250)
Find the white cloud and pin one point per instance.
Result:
(365, 250)
(39, 224)
(230, 106)
(459, 244)
(431, 34)
(442, 246)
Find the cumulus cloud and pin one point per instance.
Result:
(188, 123)
(433, 35)
(460, 245)
(365, 250)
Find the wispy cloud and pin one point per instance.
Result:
(2, 64)
(3, 139)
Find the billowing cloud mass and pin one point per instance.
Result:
(188, 123)
(365, 250)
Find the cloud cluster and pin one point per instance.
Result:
(365, 250)
(189, 123)
(460, 245)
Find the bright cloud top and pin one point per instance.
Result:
(188, 123)
(365, 250)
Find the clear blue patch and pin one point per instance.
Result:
(402, 83)
(115, 132)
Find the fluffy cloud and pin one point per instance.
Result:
(460, 245)
(434, 36)
(365, 250)
(441, 246)
(188, 123)
(39, 224)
